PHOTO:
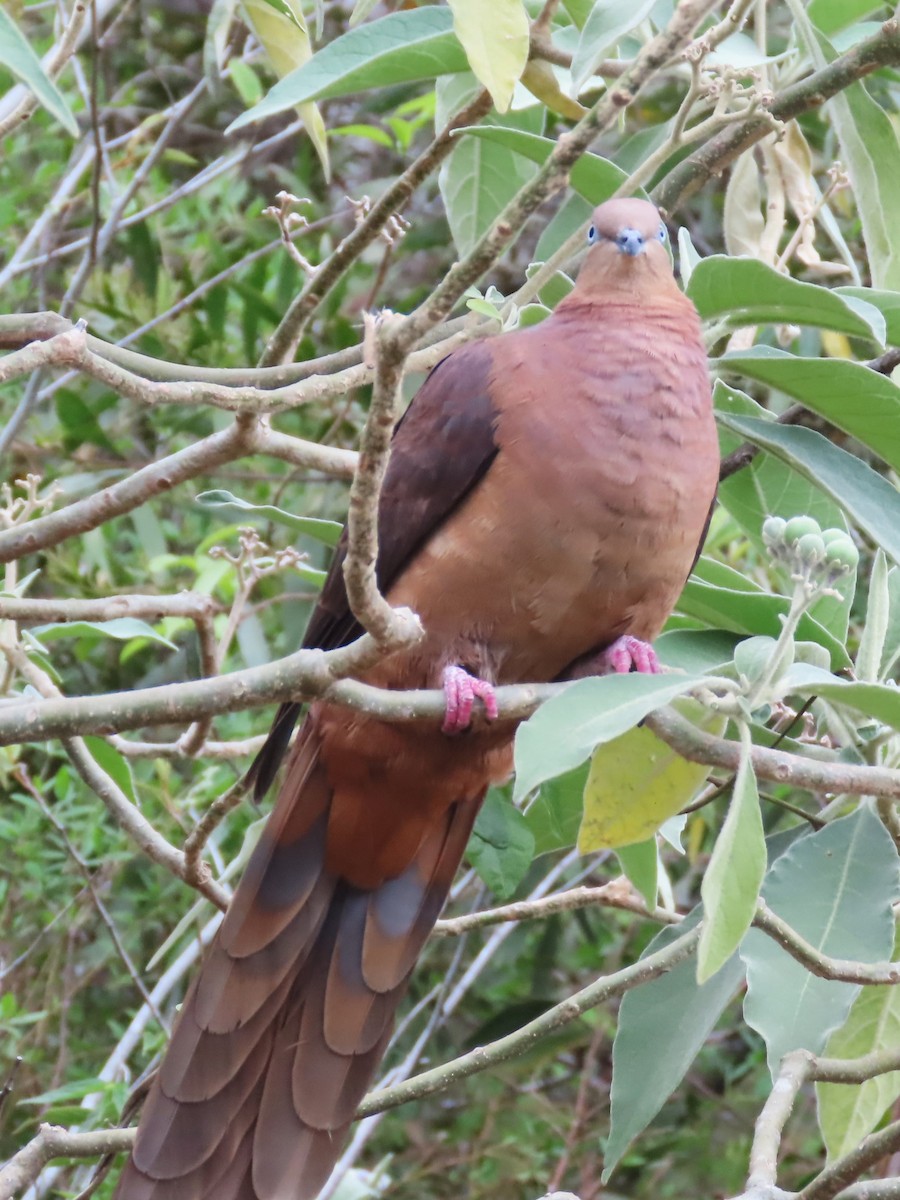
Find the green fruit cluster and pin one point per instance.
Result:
(802, 543)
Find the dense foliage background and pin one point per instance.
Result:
(156, 192)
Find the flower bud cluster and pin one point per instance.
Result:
(804, 546)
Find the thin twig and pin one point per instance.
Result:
(694, 173)
(609, 895)
(283, 342)
(520, 1042)
(822, 965)
(200, 835)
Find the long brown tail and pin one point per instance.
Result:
(290, 1014)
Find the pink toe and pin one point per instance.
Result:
(460, 692)
(627, 653)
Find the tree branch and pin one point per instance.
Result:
(814, 776)
(821, 964)
(520, 1042)
(391, 628)
(830, 1182)
(283, 342)
(244, 437)
(609, 895)
(53, 1142)
(695, 172)
(553, 174)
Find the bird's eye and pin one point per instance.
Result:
(592, 235)
(662, 235)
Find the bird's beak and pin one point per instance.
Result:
(630, 242)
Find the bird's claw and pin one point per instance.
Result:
(460, 692)
(627, 653)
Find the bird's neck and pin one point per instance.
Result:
(619, 304)
(645, 281)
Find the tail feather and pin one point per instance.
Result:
(292, 1010)
(232, 991)
(220, 1176)
(176, 1137)
(200, 1064)
(354, 1015)
(287, 859)
(235, 1181)
(402, 912)
(328, 1082)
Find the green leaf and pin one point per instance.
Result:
(21, 60)
(753, 613)
(850, 1112)
(328, 532)
(609, 21)
(76, 1090)
(874, 629)
(688, 256)
(878, 700)
(280, 27)
(640, 866)
(868, 498)
(697, 651)
(495, 39)
(80, 423)
(592, 177)
(578, 10)
(892, 634)
(114, 763)
(829, 16)
(662, 1026)
(637, 782)
(719, 574)
(564, 731)
(501, 848)
(571, 217)
(830, 387)
(555, 289)
(750, 292)
(361, 10)
(403, 47)
(769, 487)
(554, 815)
(121, 628)
(835, 888)
(870, 151)
(887, 303)
(731, 883)
(478, 179)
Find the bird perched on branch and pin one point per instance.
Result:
(547, 493)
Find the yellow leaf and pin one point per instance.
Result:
(742, 220)
(495, 39)
(540, 80)
(280, 28)
(636, 782)
(836, 345)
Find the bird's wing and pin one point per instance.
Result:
(442, 447)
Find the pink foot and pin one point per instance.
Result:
(460, 690)
(629, 652)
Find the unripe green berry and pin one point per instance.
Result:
(833, 535)
(811, 549)
(797, 527)
(843, 553)
(773, 529)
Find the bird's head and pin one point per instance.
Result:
(627, 240)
